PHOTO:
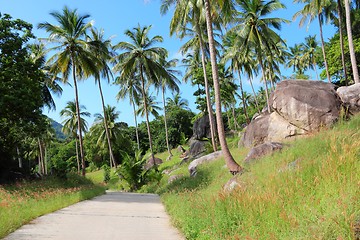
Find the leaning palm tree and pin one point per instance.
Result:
(141, 57)
(130, 87)
(101, 48)
(234, 168)
(191, 12)
(71, 54)
(70, 123)
(168, 82)
(350, 40)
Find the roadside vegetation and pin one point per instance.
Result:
(23, 201)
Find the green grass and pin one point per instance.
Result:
(22, 202)
(318, 198)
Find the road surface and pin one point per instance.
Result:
(115, 215)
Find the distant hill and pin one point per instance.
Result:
(57, 126)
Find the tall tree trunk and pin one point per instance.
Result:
(165, 121)
(112, 159)
(152, 160)
(233, 167)
(323, 49)
(207, 92)
(350, 39)
(136, 126)
(236, 124)
(243, 99)
(340, 13)
(45, 160)
(77, 153)
(19, 158)
(78, 120)
(265, 84)
(255, 97)
(41, 158)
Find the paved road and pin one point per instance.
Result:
(115, 215)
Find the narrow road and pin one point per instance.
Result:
(115, 215)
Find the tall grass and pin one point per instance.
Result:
(22, 202)
(309, 190)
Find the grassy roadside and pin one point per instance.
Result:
(310, 190)
(22, 202)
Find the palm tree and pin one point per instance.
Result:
(171, 82)
(130, 87)
(101, 48)
(234, 168)
(142, 57)
(255, 31)
(350, 40)
(319, 9)
(177, 102)
(191, 12)
(71, 123)
(49, 82)
(310, 46)
(72, 54)
(150, 105)
(110, 131)
(295, 58)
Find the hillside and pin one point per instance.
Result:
(309, 190)
(57, 127)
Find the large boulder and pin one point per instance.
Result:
(201, 128)
(350, 96)
(298, 107)
(204, 159)
(262, 150)
(309, 105)
(197, 148)
(151, 162)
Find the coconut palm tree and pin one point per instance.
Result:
(72, 54)
(169, 82)
(295, 58)
(101, 48)
(130, 87)
(71, 123)
(191, 12)
(233, 167)
(256, 31)
(141, 56)
(321, 10)
(350, 40)
(109, 132)
(177, 102)
(310, 47)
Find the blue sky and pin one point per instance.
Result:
(115, 16)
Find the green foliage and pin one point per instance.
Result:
(106, 169)
(20, 91)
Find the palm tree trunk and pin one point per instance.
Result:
(243, 99)
(233, 167)
(255, 97)
(45, 160)
(323, 50)
(112, 159)
(78, 119)
(19, 158)
(207, 92)
(350, 39)
(77, 154)
(265, 84)
(165, 121)
(236, 124)
(339, 9)
(136, 126)
(41, 158)
(152, 160)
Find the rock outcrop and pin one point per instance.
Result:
(262, 150)
(204, 159)
(298, 107)
(350, 96)
(151, 162)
